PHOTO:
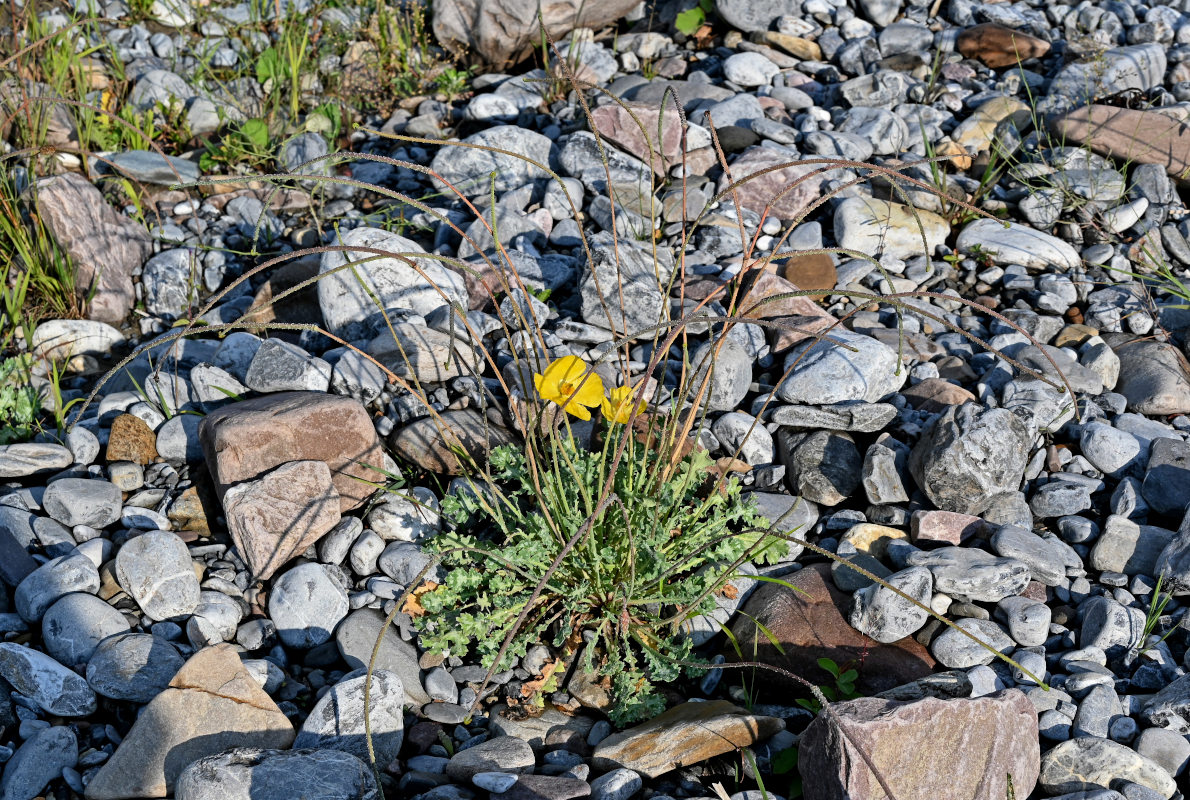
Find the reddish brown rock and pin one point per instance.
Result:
(616, 123)
(810, 622)
(784, 193)
(243, 440)
(986, 741)
(796, 318)
(1128, 136)
(935, 394)
(132, 440)
(685, 734)
(274, 518)
(944, 527)
(997, 46)
(212, 704)
(810, 271)
(104, 247)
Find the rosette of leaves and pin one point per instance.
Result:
(653, 558)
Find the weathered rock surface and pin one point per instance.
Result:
(212, 704)
(989, 741)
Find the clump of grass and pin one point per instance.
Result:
(36, 275)
(644, 559)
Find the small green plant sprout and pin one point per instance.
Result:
(844, 688)
(246, 143)
(689, 21)
(1157, 604)
(19, 401)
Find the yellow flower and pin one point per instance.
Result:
(570, 383)
(620, 406)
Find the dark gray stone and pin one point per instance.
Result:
(252, 774)
(969, 456)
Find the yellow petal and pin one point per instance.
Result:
(577, 411)
(590, 392)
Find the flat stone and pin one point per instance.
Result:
(38, 761)
(877, 227)
(250, 773)
(809, 622)
(347, 303)
(959, 651)
(134, 667)
(425, 442)
(540, 787)
(65, 340)
(972, 574)
(552, 729)
(944, 527)
(1128, 136)
(156, 571)
(280, 366)
(639, 136)
(686, 734)
(1090, 763)
(997, 46)
(1166, 486)
(421, 354)
(131, 439)
(79, 501)
(54, 579)
(337, 720)
(935, 395)
(1154, 378)
(74, 626)
(761, 193)
(30, 458)
(855, 416)
(499, 754)
(52, 686)
(356, 636)
(211, 705)
(245, 439)
(827, 371)
(810, 271)
(992, 740)
(887, 616)
(1140, 66)
(1017, 244)
(1127, 547)
(276, 517)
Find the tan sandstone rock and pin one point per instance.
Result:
(212, 704)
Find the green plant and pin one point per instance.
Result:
(452, 81)
(19, 401)
(844, 688)
(689, 21)
(36, 275)
(280, 67)
(246, 143)
(646, 559)
(1157, 604)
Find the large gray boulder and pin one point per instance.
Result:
(502, 32)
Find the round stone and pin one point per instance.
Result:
(156, 571)
(133, 666)
(75, 625)
(306, 603)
